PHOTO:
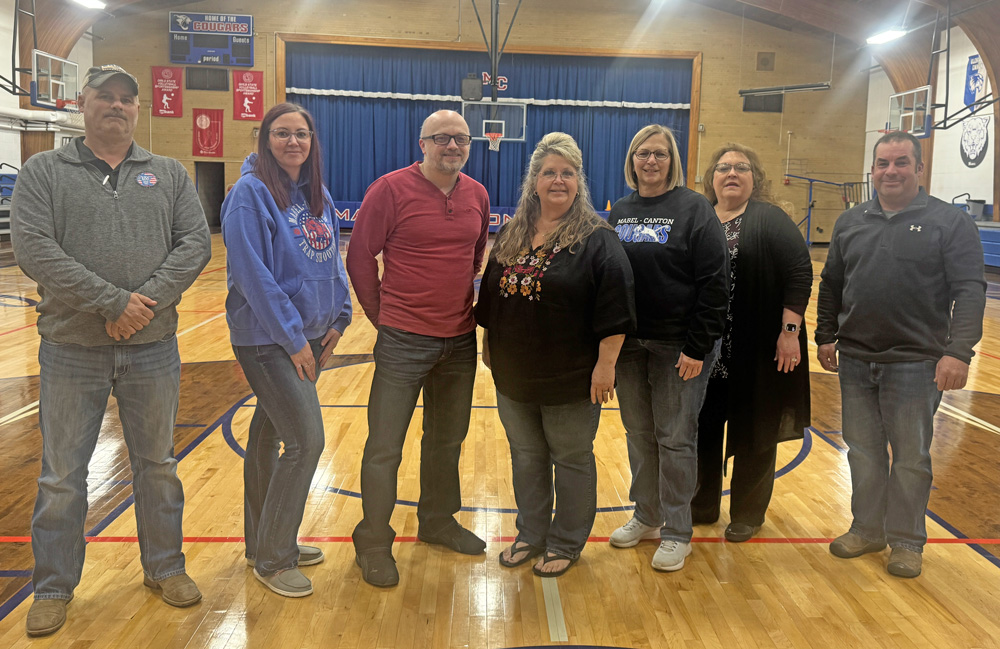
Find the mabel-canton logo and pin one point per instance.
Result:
(184, 22)
(146, 179)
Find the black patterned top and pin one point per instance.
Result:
(721, 368)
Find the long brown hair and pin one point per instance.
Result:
(576, 225)
(275, 178)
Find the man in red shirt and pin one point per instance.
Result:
(430, 222)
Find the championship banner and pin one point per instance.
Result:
(248, 95)
(206, 137)
(168, 100)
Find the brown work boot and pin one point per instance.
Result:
(46, 616)
(179, 590)
(850, 545)
(904, 563)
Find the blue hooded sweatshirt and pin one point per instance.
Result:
(287, 283)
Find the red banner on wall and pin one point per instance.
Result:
(248, 95)
(168, 99)
(206, 136)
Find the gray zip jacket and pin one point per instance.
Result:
(90, 246)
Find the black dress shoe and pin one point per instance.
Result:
(457, 538)
(740, 532)
(378, 568)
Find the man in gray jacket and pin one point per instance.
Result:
(113, 235)
(901, 299)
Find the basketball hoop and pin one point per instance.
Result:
(68, 105)
(494, 140)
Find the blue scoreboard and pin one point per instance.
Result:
(211, 39)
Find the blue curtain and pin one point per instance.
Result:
(366, 137)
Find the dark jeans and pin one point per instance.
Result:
(894, 404)
(405, 363)
(540, 437)
(753, 470)
(276, 487)
(74, 385)
(660, 414)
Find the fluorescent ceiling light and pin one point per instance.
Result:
(91, 4)
(886, 36)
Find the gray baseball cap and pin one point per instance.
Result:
(98, 75)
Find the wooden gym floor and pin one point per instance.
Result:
(784, 589)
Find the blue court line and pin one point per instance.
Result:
(189, 425)
(15, 573)
(15, 600)
(954, 531)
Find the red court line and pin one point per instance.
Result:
(495, 539)
(206, 272)
(28, 326)
(197, 311)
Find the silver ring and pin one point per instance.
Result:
(795, 359)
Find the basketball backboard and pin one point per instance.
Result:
(911, 111)
(504, 117)
(55, 82)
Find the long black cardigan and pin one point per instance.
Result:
(773, 271)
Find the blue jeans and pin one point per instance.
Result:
(276, 487)
(660, 414)
(75, 383)
(405, 363)
(894, 404)
(540, 437)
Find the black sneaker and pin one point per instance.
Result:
(457, 538)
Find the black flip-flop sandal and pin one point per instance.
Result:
(532, 550)
(550, 557)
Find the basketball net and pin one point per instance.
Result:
(494, 140)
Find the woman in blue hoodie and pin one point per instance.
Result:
(287, 308)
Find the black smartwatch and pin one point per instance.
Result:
(790, 327)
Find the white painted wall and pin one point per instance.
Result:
(10, 141)
(951, 175)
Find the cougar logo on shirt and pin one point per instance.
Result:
(315, 236)
(642, 233)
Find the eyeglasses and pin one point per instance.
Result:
(566, 175)
(643, 154)
(284, 135)
(442, 139)
(725, 167)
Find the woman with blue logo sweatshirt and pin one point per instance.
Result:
(287, 307)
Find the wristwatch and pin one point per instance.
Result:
(790, 327)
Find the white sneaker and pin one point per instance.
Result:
(670, 555)
(632, 532)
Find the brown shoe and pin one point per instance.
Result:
(46, 616)
(850, 545)
(904, 563)
(179, 590)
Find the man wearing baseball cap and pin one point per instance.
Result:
(113, 235)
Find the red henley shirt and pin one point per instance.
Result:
(432, 248)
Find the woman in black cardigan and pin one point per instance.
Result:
(760, 383)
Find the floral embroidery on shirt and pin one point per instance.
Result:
(524, 277)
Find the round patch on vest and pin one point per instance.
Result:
(146, 179)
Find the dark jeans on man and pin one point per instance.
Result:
(753, 470)
(405, 363)
(276, 487)
(894, 404)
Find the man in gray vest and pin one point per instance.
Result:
(113, 235)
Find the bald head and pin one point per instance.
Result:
(447, 159)
(435, 121)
